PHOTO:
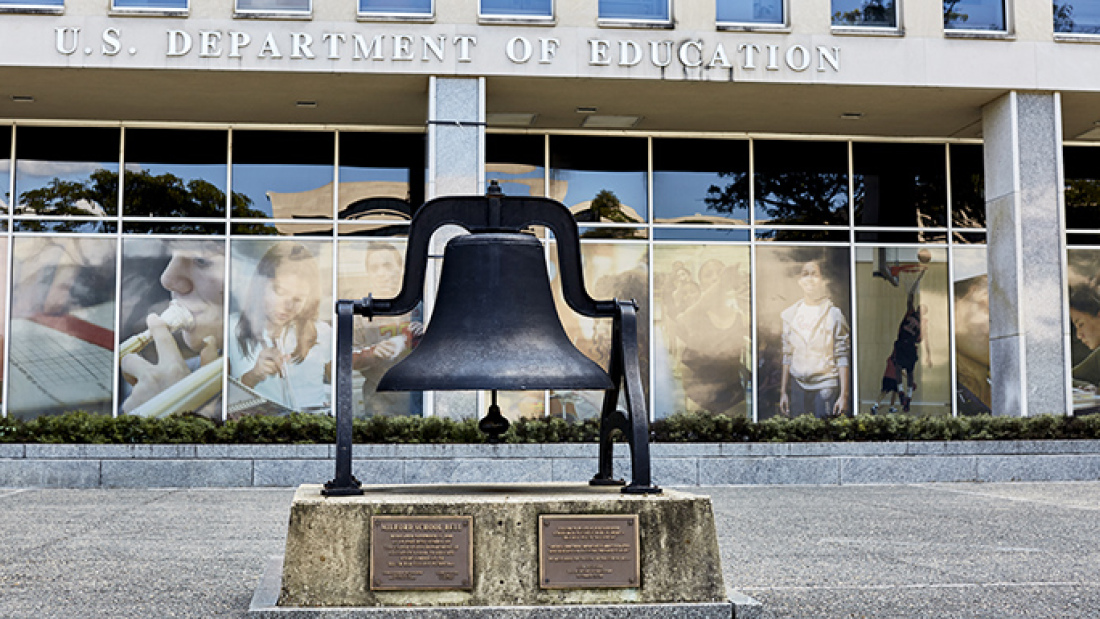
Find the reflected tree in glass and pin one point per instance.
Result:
(973, 15)
(1077, 18)
(874, 13)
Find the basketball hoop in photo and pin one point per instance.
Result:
(890, 267)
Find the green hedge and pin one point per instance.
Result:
(687, 427)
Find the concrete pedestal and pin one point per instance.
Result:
(327, 561)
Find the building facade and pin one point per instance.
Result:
(811, 201)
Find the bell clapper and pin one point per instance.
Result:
(494, 424)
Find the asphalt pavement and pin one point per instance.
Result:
(930, 550)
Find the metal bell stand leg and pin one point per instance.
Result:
(345, 483)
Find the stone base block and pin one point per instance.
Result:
(327, 561)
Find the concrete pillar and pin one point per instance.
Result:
(1028, 328)
(456, 166)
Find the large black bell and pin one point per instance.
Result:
(494, 326)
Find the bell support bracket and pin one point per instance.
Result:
(498, 213)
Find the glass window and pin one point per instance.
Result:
(635, 10)
(516, 162)
(32, 4)
(974, 15)
(1082, 178)
(702, 325)
(900, 184)
(967, 185)
(1077, 16)
(183, 282)
(804, 349)
(67, 171)
(700, 181)
(62, 326)
(175, 173)
(517, 8)
(274, 6)
(867, 13)
(5, 168)
(971, 289)
(750, 12)
(904, 338)
(395, 7)
(381, 175)
(600, 179)
(280, 327)
(160, 5)
(801, 182)
(283, 174)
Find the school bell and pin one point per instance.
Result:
(495, 327)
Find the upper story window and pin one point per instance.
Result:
(521, 9)
(149, 5)
(635, 10)
(981, 15)
(865, 13)
(32, 5)
(1077, 17)
(398, 8)
(751, 12)
(287, 7)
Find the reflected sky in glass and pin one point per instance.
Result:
(272, 162)
(974, 15)
(273, 5)
(63, 180)
(33, 3)
(396, 6)
(526, 8)
(197, 158)
(607, 171)
(685, 171)
(516, 162)
(1077, 16)
(750, 11)
(150, 4)
(655, 10)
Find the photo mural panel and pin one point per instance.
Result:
(971, 287)
(280, 327)
(376, 267)
(1084, 313)
(171, 327)
(804, 347)
(62, 326)
(904, 338)
(611, 270)
(702, 326)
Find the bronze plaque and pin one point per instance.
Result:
(589, 552)
(421, 552)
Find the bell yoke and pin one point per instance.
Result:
(494, 326)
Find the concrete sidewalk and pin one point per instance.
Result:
(955, 550)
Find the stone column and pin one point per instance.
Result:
(456, 166)
(1028, 329)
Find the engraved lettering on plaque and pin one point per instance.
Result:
(588, 552)
(421, 552)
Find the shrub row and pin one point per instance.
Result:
(685, 427)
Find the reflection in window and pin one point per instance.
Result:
(163, 5)
(1082, 178)
(750, 12)
(274, 6)
(974, 15)
(381, 175)
(175, 173)
(971, 289)
(283, 175)
(62, 326)
(517, 8)
(801, 183)
(395, 7)
(1077, 16)
(702, 323)
(67, 171)
(5, 169)
(700, 181)
(904, 339)
(635, 10)
(32, 4)
(967, 186)
(516, 162)
(600, 179)
(900, 184)
(869, 13)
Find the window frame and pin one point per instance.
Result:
(974, 33)
(30, 6)
(896, 30)
(484, 18)
(783, 25)
(393, 16)
(635, 22)
(238, 12)
(149, 10)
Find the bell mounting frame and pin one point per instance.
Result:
(496, 212)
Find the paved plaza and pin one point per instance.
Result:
(950, 550)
